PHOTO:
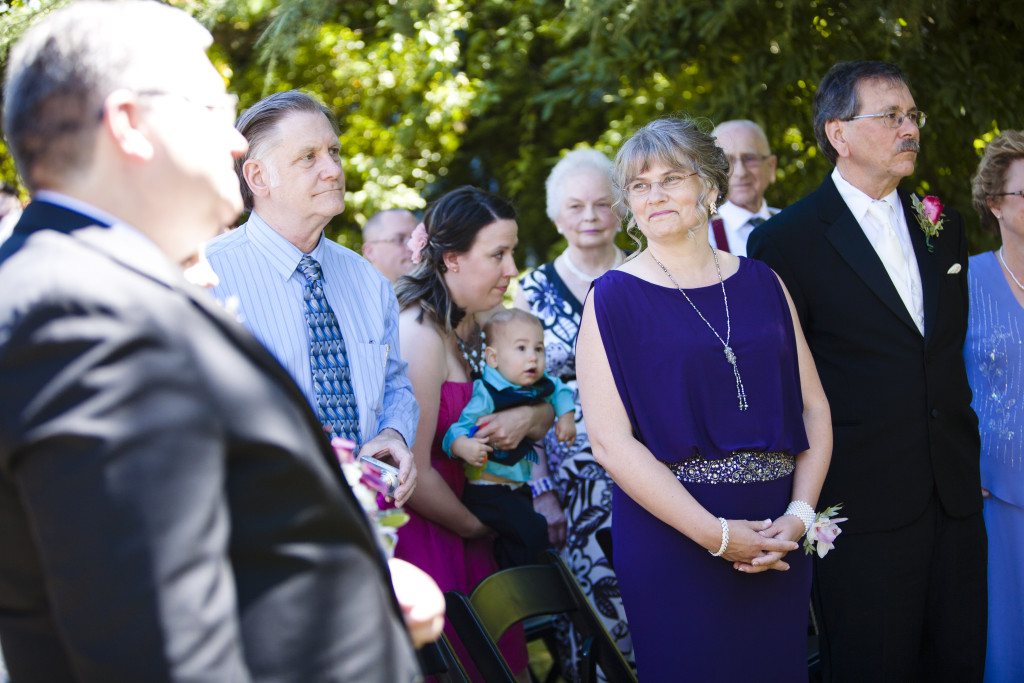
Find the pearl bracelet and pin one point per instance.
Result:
(802, 511)
(725, 537)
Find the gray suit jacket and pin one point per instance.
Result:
(169, 506)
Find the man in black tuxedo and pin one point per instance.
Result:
(170, 508)
(903, 596)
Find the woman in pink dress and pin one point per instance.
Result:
(463, 250)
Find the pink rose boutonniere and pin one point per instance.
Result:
(929, 216)
(821, 537)
(417, 242)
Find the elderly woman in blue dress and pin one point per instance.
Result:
(994, 355)
(580, 201)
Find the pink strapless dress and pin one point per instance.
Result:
(453, 562)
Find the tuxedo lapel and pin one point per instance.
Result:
(845, 234)
(926, 263)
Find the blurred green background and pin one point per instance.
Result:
(435, 94)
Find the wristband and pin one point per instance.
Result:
(542, 485)
(802, 511)
(725, 538)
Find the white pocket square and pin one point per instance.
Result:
(953, 269)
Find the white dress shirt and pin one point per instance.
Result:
(907, 280)
(737, 227)
(260, 267)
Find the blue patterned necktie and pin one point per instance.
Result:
(332, 380)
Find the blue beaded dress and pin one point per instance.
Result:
(994, 356)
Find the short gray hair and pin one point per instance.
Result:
(836, 99)
(257, 124)
(374, 221)
(679, 143)
(577, 161)
(757, 130)
(64, 67)
(990, 178)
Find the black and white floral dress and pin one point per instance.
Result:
(584, 488)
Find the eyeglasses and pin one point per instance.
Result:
(228, 104)
(397, 240)
(751, 161)
(1019, 193)
(641, 189)
(895, 118)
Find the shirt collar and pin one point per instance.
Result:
(282, 255)
(496, 380)
(858, 200)
(89, 211)
(76, 205)
(737, 215)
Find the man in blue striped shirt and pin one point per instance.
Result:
(292, 180)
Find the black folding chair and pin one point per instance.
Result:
(512, 595)
(437, 659)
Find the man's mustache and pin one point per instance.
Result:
(910, 146)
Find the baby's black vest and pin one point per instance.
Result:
(513, 397)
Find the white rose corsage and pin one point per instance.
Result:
(821, 536)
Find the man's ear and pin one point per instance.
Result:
(122, 120)
(835, 130)
(257, 177)
(491, 356)
(772, 163)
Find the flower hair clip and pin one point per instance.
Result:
(929, 216)
(821, 536)
(417, 243)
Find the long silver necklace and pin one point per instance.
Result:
(730, 356)
(590, 278)
(1008, 269)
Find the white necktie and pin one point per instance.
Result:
(890, 251)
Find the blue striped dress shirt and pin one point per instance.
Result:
(260, 267)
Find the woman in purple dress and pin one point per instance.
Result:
(702, 402)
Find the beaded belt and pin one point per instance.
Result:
(742, 467)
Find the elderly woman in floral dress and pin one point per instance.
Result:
(580, 202)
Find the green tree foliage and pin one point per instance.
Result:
(432, 94)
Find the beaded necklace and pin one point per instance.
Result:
(472, 350)
(730, 356)
(584, 277)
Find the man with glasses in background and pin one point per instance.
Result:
(751, 171)
(384, 242)
(884, 310)
(170, 508)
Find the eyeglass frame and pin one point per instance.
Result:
(397, 240)
(228, 105)
(750, 161)
(917, 116)
(1019, 193)
(652, 183)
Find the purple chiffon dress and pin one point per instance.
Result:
(692, 616)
